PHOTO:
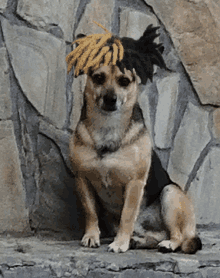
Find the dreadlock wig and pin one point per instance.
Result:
(93, 50)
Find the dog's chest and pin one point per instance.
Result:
(110, 194)
(113, 168)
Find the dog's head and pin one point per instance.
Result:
(110, 90)
(115, 66)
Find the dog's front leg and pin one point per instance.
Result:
(92, 232)
(133, 196)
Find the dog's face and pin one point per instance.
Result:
(111, 91)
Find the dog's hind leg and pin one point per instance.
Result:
(149, 228)
(150, 240)
(178, 217)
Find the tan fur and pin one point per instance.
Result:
(119, 177)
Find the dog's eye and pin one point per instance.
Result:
(124, 81)
(98, 79)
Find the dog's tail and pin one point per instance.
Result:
(191, 245)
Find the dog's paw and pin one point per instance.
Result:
(91, 239)
(119, 246)
(166, 246)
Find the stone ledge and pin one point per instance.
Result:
(42, 257)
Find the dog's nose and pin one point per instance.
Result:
(109, 101)
(110, 98)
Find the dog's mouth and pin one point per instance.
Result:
(109, 108)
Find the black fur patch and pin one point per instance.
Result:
(109, 147)
(137, 114)
(142, 54)
(158, 178)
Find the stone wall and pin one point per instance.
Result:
(40, 103)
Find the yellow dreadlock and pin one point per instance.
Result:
(92, 50)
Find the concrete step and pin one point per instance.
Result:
(43, 257)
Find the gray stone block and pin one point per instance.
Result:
(191, 138)
(142, 273)
(38, 60)
(186, 265)
(78, 88)
(212, 272)
(148, 98)
(61, 258)
(102, 274)
(5, 100)
(60, 137)
(28, 272)
(3, 5)
(216, 124)
(42, 13)
(205, 189)
(133, 23)
(58, 208)
(168, 90)
(101, 11)
(194, 29)
(13, 213)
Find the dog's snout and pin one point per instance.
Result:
(110, 101)
(110, 98)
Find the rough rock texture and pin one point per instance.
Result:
(168, 90)
(47, 14)
(96, 10)
(3, 5)
(38, 60)
(206, 184)
(216, 124)
(40, 106)
(194, 29)
(191, 138)
(58, 205)
(132, 23)
(34, 257)
(5, 100)
(78, 87)
(13, 214)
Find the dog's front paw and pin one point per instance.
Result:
(119, 246)
(91, 239)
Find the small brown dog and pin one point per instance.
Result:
(112, 154)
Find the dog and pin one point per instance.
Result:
(115, 164)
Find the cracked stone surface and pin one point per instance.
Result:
(96, 10)
(45, 257)
(38, 60)
(132, 23)
(194, 28)
(168, 90)
(191, 138)
(5, 101)
(216, 124)
(50, 13)
(13, 213)
(3, 5)
(78, 87)
(206, 175)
